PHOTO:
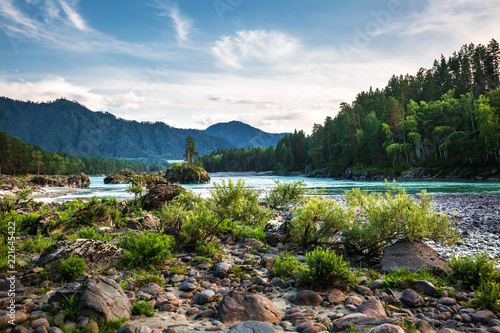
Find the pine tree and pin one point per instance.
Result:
(191, 152)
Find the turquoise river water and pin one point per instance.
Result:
(265, 182)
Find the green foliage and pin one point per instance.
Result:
(191, 152)
(91, 233)
(471, 272)
(72, 267)
(143, 278)
(284, 194)
(246, 231)
(210, 250)
(404, 278)
(380, 219)
(317, 221)
(189, 219)
(487, 296)
(38, 245)
(325, 269)
(237, 202)
(112, 326)
(94, 211)
(136, 189)
(69, 305)
(143, 308)
(145, 249)
(285, 266)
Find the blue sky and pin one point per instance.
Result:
(277, 65)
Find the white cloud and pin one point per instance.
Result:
(73, 16)
(182, 25)
(63, 28)
(259, 46)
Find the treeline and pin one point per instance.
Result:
(446, 117)
(20, 158)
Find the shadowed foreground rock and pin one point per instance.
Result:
(238, 307)
(97, 254)
(411, 255)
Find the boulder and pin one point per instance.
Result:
(336, 297)
(307, 297)
(159, 195)
(187, 175)
(79, 180)
(372, 308)
(42, 222)
(411, 255)
(222, 269)
(483, 316)
(238, 307)
(97, 254)
(189, 284)
(252, 326)
(104, 299)
(426, 287)
(387, 328)
(410, 298)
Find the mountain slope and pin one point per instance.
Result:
(243, 135)
(72, 128)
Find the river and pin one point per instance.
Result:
(265, 182)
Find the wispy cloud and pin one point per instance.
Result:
(259, 46)
(73, 16)
(63, 28)
(182, 25)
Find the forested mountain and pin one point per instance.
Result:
(243, 135)
(72, 128)
(443, 119)
(19, 158)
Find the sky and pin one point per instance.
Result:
(278, 65)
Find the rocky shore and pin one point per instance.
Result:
(238, 292)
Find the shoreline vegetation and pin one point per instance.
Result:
(192, 264)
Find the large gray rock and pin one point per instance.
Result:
(483, 316)
(42, 223)
(372, 308)
(238, 307)
(187, 175)
(411, 255)
(97, 254)
(104, 299)
(252, 326)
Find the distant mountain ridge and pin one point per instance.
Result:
(243, 135)
(70, 127)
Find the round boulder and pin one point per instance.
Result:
(307, 297)
(238, 307)
(410, 298)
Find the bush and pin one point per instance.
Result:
(318, 221)
(487, 296)
(238, 203)
(381, 219)
(145, 249)
(404, 278)
(325, 269)
(72, 267)
(285, 266)
(468, 272)
(38, 245)
(285, 194)
(94, 210)
(190, 221)
(143, 307)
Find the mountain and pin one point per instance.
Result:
(243, 135)
(70, 127)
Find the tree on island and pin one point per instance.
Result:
(191, 152)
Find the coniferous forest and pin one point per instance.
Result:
(20, 158)
(444, 119)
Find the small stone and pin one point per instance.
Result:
(426, 287)
(387, 328)
(40, 322)
(483, 316)
(189, 284)
(307, 297)
(410, 298)
(205, 296)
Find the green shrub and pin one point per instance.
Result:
(94, 210)
(190, 221)
(380, 219)
(72, 267)
(69, 305)
(38, 245)
(237, 202)
(210, 250)
(143, 278)
(285, 266)
(143, 308)
(487, 296)
(145, 249)
(87, 233)
(404, 278)
(318, 221)
(325, 269)
(285, 194)
(245, 231)
(471, 272)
